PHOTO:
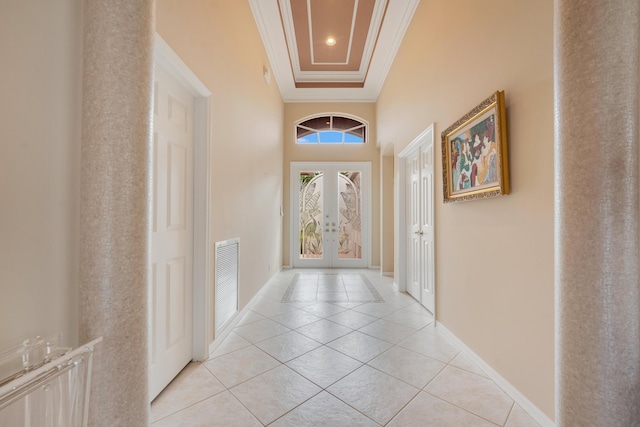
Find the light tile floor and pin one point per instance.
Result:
(311, 362)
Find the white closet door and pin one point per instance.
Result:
(419, 217)
(172, 236)
(427, 294)
(414, 259)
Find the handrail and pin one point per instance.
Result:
(34, 375)
(19, 392)
(22, 397)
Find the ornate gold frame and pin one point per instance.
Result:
(481, 113)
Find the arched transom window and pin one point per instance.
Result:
(331, 129)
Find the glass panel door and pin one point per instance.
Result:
(350, 211)
(311, 202)
(329, 219)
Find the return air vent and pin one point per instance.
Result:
(226, 287)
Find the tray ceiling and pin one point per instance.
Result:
(331, 50)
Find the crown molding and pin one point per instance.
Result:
(270, 26)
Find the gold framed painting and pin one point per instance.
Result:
(475, 164)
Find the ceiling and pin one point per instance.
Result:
(367, 35)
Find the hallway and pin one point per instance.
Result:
(333, 348)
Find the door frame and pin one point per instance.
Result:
(366, 205)
(425, 138)
(171, 63)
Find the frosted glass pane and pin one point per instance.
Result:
(311, 215)
(350, 227)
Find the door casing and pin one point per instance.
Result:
(401, 240)
(171, 63)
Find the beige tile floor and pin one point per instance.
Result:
(342, 363)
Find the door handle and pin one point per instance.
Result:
(419, 233)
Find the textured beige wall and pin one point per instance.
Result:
(494, 258)
(368, 152)
(219, 41)
(40, 82)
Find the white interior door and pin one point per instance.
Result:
(330, 215)
(420, 265)
(172, 235)
(414, 261)
(427, 294)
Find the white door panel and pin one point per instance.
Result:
(420, 266)
(172, 237)
(427, 296)
(413, 227)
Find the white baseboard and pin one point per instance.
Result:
(388, 273)
(535, 413)
(236, 318)
(286, 267)
(220, 336)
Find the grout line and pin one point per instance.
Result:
(194, 403)
(245, 408)
(297, 406)
(270, 295)
(509, 414)
(513, 393)
(459, 407)
(403, 408)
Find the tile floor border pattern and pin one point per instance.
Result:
(418, 368)
(376, 297)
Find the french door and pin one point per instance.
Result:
(330, 214)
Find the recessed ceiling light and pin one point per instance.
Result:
(330, 41)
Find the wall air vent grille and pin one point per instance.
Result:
(226, 287)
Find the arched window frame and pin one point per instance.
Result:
(362, 125)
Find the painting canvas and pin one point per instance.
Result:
(474, 153)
